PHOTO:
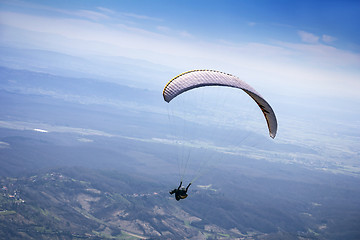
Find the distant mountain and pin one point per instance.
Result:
(79, 90)
(121, 70)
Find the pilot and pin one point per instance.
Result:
(180, 192)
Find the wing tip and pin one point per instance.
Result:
(272, 135)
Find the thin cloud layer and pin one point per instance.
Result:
(312, 38)
(308, 37)
(327, 38)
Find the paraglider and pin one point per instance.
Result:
(203, 78)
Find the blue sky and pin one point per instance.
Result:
(293, 43)
(231, 18)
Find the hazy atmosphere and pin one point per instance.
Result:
(90, 149)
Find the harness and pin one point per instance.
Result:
(183, 196)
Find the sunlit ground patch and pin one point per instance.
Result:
(40, 130)
(4, 145)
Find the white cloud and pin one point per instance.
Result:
(185, 34)
(323, 55)
(83, 13)
(171, 32)
(106, 10)
(89, 14)
(99, 13)
(328, 39)
(142, 17)
(308, 37)
(163, 28)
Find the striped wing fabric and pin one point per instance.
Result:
(201, 78)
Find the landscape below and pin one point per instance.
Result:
(83, 159)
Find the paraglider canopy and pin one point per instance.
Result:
(202, 78)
